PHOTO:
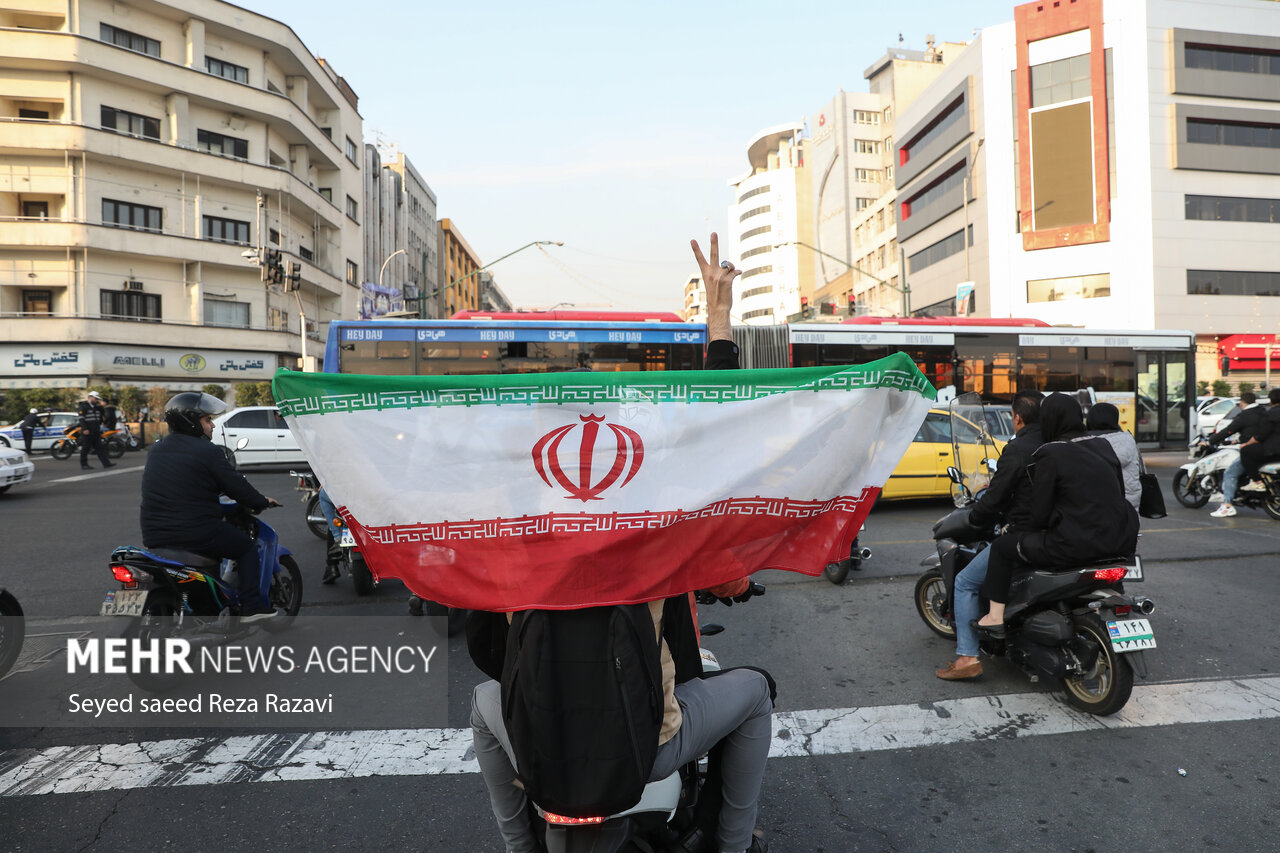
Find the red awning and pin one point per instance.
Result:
(1250, 357)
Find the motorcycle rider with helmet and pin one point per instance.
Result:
(184, 475)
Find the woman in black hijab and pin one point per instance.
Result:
(1078, 510)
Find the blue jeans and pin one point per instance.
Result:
(330, 512)
(967, 605)
(1231, 480)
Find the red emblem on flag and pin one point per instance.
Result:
(628, 455)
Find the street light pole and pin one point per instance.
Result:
(422, 299)
(384, 265)
(964, 235)
(905, 290)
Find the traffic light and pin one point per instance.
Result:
(1226, 366)
(293, 280)
(804, 308)
(853, 305)
(272, 267)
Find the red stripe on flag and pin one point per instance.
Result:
(563, 561)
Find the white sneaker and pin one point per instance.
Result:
(1224, 511)
(1216, 496)
(1252, 486)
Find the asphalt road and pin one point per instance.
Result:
(882, 755)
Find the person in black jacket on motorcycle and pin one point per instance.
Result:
(733, 709)
(184, 475)
(1078, 510)
(1262, 447)
(1246, 426)
(1007, 499)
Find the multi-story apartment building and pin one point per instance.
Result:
(151, 148)
(491, 296)
(400, 232)
(695, 300)
(1122, 166)
(769, 228)
(459, 271)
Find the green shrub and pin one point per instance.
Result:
(1221, 388)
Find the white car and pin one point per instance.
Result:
(257, 435)
(15, 468)
(50, 426)
(1216, 412)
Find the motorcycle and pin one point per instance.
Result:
(1076, 625)
(666, 818)
(64, 447)
(1197, 481)
(168, 592)
(352, 561)
(309, 485)
(838, 571)
(12, 630)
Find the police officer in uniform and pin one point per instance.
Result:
(90, 411)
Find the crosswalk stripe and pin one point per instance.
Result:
(796, 734)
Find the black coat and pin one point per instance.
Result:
(1268, 432)
(1246, 423)
(180, 488)
(1009, 495)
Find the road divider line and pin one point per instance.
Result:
(433, 752)
(116, 469)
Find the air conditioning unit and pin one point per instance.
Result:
(130, 284)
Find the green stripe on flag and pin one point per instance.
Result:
(301, 394)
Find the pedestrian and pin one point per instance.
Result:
(91, 412)
(28, 426)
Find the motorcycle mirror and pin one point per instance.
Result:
(954, 474)
(711, 629)
(991, 464)
(242, 443)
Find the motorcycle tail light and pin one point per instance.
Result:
(1109, 575)
(124, 574)
(562, 820)
(337, 522)
(1123, 609)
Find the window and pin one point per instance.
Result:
(41, 115)
(755, 232)
(1063, 80)
(274, 236)
(757, 291)
(1229, 209)
(37, 302)
(757, 271)
(353, 273)
(1233, 283)
(866, 146)
(353, 152)
(866, 117)
(277, 320)
(353, 209)
(751, 193)
(227, 146)
(226, 230)
(35, 210)
(126, 215)
(1240, 59)
(1069, 287)
(326, 193)
(327, 131)
(306, 254)
(238, 73)
(760, 312)
(863, 203)
(952, 180)
(1245, 134)
(130, 305)
(128, 40)
(222, 312)
(119, 121)
(758, 250)
(953, 112)
(251, 419)
(944, 248)
(1062, 164)
(867, 176)
(754, 212)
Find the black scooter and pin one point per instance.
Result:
(12, 630)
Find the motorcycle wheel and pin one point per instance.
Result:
(452, 620)
(12, 631)
(285, 594)
(1272, 506)
(1105, 687)
(159, 619)
(929, 595)
(62, 449)
(315, 519)
(114, 447)
(361, 577)
(837, 572)
(1187, 491)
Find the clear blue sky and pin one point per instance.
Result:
(613, 126)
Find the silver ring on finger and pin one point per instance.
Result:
(726, 265)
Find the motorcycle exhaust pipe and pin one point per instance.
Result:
(1144, 605)
(862, 553)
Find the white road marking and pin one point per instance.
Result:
(117, 469)
(430, 752)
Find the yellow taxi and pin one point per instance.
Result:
(922, 473)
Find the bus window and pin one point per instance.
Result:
(384, 358)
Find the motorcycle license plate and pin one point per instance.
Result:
(346, 540)
(1134, 572)
(1131, 635)
(123, 602)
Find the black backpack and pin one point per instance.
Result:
(583, 705)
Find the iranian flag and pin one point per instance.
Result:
(576, 489)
